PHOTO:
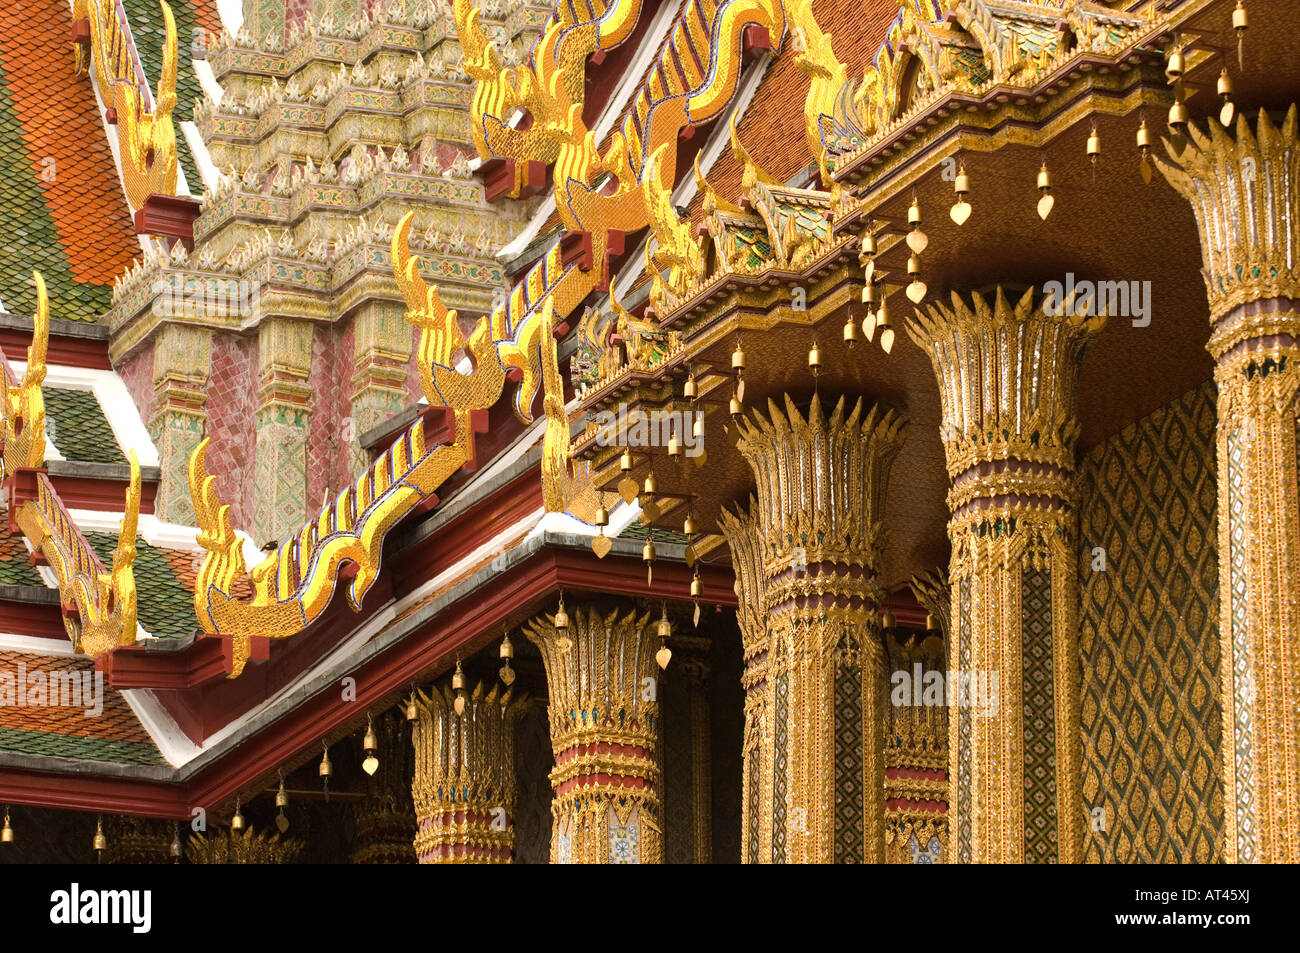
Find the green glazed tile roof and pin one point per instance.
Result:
(636, 531)
(15, 568)
(76, 425)
(164, 604)
(22, 741)
(61, 205)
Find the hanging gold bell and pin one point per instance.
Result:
(960, 210)
(651, 487)
(326, 767)
(697, 586)
(1174, 66)
(674, 446)
(689, 527)
(625, 461)
(602, 516)
(1144, 137)
(914, 213)
(176, 850)
(282, 796)
(100, 842)
(7, 832)
(458, 686)
(883, 326)
(237, 822)
(1240, 24)
(1228, 110)
(697, 428)
(561, 617)
(369, 743)
(648, 550)
(665, 654)
(1094, 145)
(738, 359)
(506, 673)
(851, 331)
(412, 709)
(1178, 116)
(689, 389)
(736, 407)
(814, 358)
(1046, 201)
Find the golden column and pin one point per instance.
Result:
(756, 779)
(464, 784)
(605, 731)
(807, 555)
(1008, 381)
(1243, 193)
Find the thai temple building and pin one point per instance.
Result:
(694, 431)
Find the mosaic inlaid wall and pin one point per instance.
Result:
(1149, 640)
(232, 400)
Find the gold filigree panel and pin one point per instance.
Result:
(1149, 641)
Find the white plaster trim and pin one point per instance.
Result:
(155, 531)
(632, 81)
(34, 645)
(208, 80)
(172, 743)
(114, 399)
(620, 518)
(202, 158)
(232, 14)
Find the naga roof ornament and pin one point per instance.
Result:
(22, 412)
(102, 603)
(146, 134)
(291, 587)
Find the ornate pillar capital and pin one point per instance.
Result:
(1008, 382)
(605, 730)
(1242, 191)
(464, 786)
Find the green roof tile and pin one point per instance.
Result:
(77, 427)
(28, 237)
(22, 741)
(164, 606)
(15, 567)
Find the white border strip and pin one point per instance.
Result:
(114, 400)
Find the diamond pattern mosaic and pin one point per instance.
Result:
(849, 807)
(1039, 717)
(780, 718)
(1149, 640)
(963, 728)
